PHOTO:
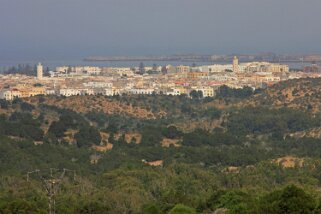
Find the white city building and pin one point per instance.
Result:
(10, 94)
(216, 68)
(112, 91)
(206, 91)
(69, 92)
(121, 71)
(98, 84)
(142, 91)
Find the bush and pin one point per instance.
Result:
(26, 106)
(88, 136)
(151, 209)
(93, 208)
(20, 206)
(289, 200)
(182, 209)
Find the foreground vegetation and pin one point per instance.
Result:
(229, 154)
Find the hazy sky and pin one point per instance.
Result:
(37, 29)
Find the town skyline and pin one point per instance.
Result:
(197, 80)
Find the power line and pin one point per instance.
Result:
(51, 184)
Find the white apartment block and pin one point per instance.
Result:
(206, 91)
(182, 68)
(76, 91)
(175, 91)
(142, 91)
(69, 92)
(222, 77)
(112, 91)
(269, 78)
(50, 92)
(10, 94)
(62, 69)
(88, 70)
(121, 71)
(216, 68)
(196, 69)
(79, 70)
(221, 68)
(266, 67)
(171, 92)
(98, 84)
(88, 91)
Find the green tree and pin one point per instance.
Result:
(171, 132)
(151, 136)
(289, 200)
(88, 136)
(151, 209)
(196, 94)
(182, 209)
(20, 206)
(93, 208)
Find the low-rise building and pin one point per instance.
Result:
(176, 91)
(69, 92)
(121, 71)
(112, 91)
(196, 75)
(206, 91)
(182, 68)
(10, 94)
(142, 91)
(266, 67)
(98, 84)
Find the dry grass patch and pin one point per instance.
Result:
(166, 142)
(289, 162)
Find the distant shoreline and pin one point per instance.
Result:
(206, 58)
(194, 60)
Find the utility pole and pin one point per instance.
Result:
(51, 184)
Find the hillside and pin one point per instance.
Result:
(148, 154)
(303, 94)
(85, 104)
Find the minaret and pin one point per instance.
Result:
(39, 71)
(235, 64)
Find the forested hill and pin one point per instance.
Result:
(243, 151)
(303, 94)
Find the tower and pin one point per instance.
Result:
(39, 71)
(235, 64)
